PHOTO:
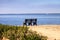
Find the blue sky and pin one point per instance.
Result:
(29, 6)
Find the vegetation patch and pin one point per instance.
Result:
(19, 33)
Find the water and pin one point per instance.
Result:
(18, 19)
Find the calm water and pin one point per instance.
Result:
(18, 19)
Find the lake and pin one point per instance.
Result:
(18, 19)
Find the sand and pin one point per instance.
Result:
(51, 31)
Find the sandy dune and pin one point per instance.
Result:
(51, 31)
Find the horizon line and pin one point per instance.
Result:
(25, 13)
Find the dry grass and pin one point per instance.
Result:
(51, 31)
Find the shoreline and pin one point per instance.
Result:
(51, 31)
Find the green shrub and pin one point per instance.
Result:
(19, 33)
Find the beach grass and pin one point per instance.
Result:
(9, 32)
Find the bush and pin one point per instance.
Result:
(19, 33)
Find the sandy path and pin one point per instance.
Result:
(51, 31)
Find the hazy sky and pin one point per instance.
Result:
(29, 6)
